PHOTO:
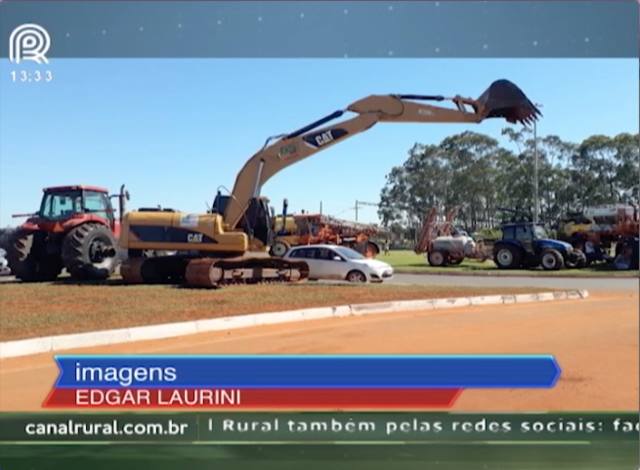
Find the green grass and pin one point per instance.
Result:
(408, 262)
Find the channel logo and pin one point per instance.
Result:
(29, 41)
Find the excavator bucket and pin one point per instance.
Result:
(504, 99)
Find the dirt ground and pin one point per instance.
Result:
(595, 342)
(54, 308)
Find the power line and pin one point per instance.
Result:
(364, 203)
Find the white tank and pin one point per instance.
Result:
(456, 244)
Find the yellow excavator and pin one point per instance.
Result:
(230, 243)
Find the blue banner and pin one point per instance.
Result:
(306, 371)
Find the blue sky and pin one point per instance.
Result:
(174, 130)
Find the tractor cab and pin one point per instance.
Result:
(533, 237)
(64, 202)
(65, 206)
(525, 233)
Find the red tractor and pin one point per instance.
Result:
(75, 229)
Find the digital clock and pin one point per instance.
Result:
(35, 76)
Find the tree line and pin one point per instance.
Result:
(473, 172)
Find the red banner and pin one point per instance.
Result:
(254, 399)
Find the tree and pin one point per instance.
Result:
(473, 172)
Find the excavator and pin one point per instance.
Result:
(229, 244)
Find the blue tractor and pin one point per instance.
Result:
(525, 244)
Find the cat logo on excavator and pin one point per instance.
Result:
(194, 238)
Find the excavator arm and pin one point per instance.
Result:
(209, 250)
(502, 99)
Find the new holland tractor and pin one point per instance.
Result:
(75, 228)
(525, 244)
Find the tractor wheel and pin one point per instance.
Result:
(551, 260)
(28, 261)
(89, 252)
(577, 259)
(279, 249)
(371, 250)
(437, 258)
(507, 257)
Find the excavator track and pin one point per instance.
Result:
(212, 272)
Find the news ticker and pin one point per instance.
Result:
(318, 427)
(326, 382)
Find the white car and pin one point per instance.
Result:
(4, 265)
(340, 263)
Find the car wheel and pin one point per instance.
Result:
(551, 260)
(507, 257)
(437, 258)
(356, 276)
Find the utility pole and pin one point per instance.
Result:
(364, 203)
(536, 213)
(536, 197)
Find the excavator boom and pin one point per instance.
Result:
(502, 99)
(211, 249)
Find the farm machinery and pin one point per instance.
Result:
(230, 243)
(305, 229)
(444, 243)
(75, 229)
(525, 244)
(600, 229)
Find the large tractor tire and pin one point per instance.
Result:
(507, 257)
(89, 252)
(371, 250)
(551, 260)
(28, 259)
(576, 260)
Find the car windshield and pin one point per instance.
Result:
(539, 231)
(348, 253)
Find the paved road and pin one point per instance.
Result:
(603, 284)
(595, 342)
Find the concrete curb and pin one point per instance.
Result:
(509, 273)
(25, 347)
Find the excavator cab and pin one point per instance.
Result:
(256, 221)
